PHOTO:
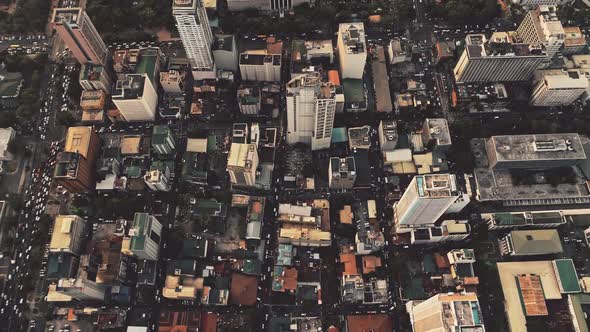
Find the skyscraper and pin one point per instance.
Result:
(542, 26)
(136, 98)
(311, 105)
(352, 51)
(341, 173)
(559, 89)
(193, 26)
(80, 36)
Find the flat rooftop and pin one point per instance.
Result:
(438, 129)
(78, 140)
(67, 15)
(566, 146)
(353, 37)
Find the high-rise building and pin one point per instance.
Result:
(560, 89)
(427, 198)
(503, 58)
(436, 135)
(575, 41)
(144, 237)
(260, 67)
(74, 168)
(158, 180)
(280, 6)
(80, 288)
(136, 98)
(311, 106)
(194, 30)
(447, 312)
(95, 77)
(341, 173)
(68, 234)
(225, 52)
(242, 163)
(542, 26)
(388, 135)
(535, 3)
(172, 81)
(249, 100)
(162, 139)
(352, 50)
(80, 36)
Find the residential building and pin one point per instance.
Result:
(352, 51)
(503, 58)
(136, 98)
(79, 35)
(225, 53)
(359, 138)
(531, 242)
(381, 81)
(95, 77)
(436, 135)
(310, 53)
(249, 100)
(560, 89)
(172, 81)
(194, 30)
(388, 135)
(575, 42)
(341, 173)
(542, 26)
(195, 161)
(448, 230)
(148, 62)
(7, 135)
(447, 312)
(260, 67)
(311, 106)
(355, 95)
(427, 198)
(68, 234)
(158, 180)
(144, 237)
(242, 163)
(162, 140)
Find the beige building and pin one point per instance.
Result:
(68, 234)
(172, 81)
(560, 89)
(352, 50)
(242, 162)
(136, 98)
(447, 312)
(542, 26)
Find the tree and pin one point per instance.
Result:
(403, 11)
(65, 119)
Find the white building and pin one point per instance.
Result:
(542, 26)
(194, 30)
(352, 50)
(388, 135)
(144, 237)
(426, 199)
(136, 98)
(157, 180)
(559, 90)
(6, 136)
(172, 81)
(311, 106)
(260, 67)
(447, 312)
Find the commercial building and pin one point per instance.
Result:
(249, 100)
(448, 230)
(242, 163)
(225, 53)
(359, 137)
(503, 58)
(532, 219)
(194, 30)
(7, 135)
(559, 89)
(80, 288)
(575, 42)
(93, 100)
(136, 98)
(381, 82)
(352, 50)
(260, 67)
(310, 53)
(75, 166)
(68, 234)
(427, 198)
(542, 26)
(80, 36)
(195, 161)
(436, 135)
(172, 81)
(341, 173)
(158, 180)
(531, 242)
(95, 77)
(311, 106)
(447, 312)
(162, 140)
(144, 237)
(398, 52)
(280, 6)
(388, 135)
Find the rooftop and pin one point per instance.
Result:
(78, 140)
(61, 238)
(536, 242)
(566, 276)
(130, 87)
(67, 15)
(353, 37)
(438, 130)
(359, 137)
(131, 144)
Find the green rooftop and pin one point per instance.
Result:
(519, 218)
(566, 276)
(252, 266)
(148, 63)
(339, 135)
(354, 90)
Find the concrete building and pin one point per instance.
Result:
(503, 58)
(249, 100)
(158, 180)
(280, 6)
(95, 77)
(528, 219)
(534, 151)
(535, 3)
(447, 312)
(341, 173)
(92, 100)
(381, 81)
(388, 135)
(68, 234)
(559, 89)
(575, 42)
(260, 67)
(225, 53)
(80, 36)
(136, 98)
(436, 135)
(542, 26)
(531, 243)
(311, 106)
(352, 50)
(308, 53)
(172, 81)
(162, 140)
(359, 138)
(194, 30)
(449, 230)
(397, 52)
(7, 135)
(75, 166)
(242, 163)
(144, 237)
(427, 198)
(80, 288)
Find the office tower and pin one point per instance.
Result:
(311, 106)
(388, 135)
(68, 234)
(447, 312)
(501, 59)
(162, 140)
(534, 151)
(249, 100)
(242, 162)
(341, 173)
(193, 26)
(436, 135)
(225, 52)
(158, 180)
(260, 67)
(560, 89)
(74, 168)
(172, 81)
(542, 26)
(427, 198)
(136, 98)
(352, 51)
(531, 242)
(77, 31)
(94, 77)
(144, 237)
(80, 288)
